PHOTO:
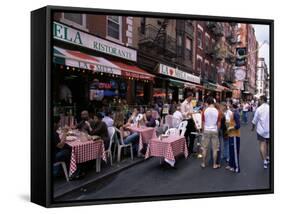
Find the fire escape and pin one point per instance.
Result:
(156, 38)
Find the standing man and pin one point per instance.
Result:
(261, 121)
(211, 123)
(234, 140)
(187, 111)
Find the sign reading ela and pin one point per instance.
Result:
(70, 35)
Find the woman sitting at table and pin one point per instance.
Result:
(127, 136)
(60, 150)
(148, 119)
(100, 129)
(136, 117)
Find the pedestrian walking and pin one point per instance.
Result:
(234, 140)
(245, 110)
(261, 122)
(211, 124)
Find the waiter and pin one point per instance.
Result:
(187, 111)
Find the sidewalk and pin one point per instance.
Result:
(62, 187)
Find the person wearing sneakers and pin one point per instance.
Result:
(211, 124)
(234, 140)
(261, 121)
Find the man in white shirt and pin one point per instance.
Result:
(261, 122)
(211, 124)
(187, 111)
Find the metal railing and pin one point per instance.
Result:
(152, 37)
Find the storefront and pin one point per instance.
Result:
(210, 89)
(175, 81)
(90, 72)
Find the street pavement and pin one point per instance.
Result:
(149, 178)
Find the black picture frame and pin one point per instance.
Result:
(41, 65)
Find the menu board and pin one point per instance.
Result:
(197, 117)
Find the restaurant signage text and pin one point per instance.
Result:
(70, 35)
(174, 72)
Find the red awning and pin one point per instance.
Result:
(133, 71)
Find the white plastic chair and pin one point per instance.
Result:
(176, 122)
(172, 131)
(121, 145)
(182, 128)
(169, 121)
(111, 133)
(64, 169)
(157, 123)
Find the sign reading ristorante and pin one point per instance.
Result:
(70, 35)
(174, 72)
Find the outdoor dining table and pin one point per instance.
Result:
(87, 150)
(146, 134)
(167, 148)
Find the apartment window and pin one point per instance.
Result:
(199, 39)
(207, 42)
(199, 65)
(114, 27)
(207, 73)
(239, 38)
(77, 20)
(188, 47)
(188, 43)
(179, 41)
(74, 17)
(142, 25)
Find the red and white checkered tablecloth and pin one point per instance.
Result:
(168, 148)
(146, 134)
(85, 151)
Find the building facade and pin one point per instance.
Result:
(94, 63)
(215, 57)
(248, 40)
(262, 78)
(166, 48)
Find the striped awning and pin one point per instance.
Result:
(98, 64)
(84, 61)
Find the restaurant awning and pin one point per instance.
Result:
(229, 86)
(99, 64)
(84, 61)
(133, 71)
(191, 85)
(223, 88)
(176, 83)
(210, 86)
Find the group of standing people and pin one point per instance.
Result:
(221, 129)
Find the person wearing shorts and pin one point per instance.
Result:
(211, 124)
(261, 123)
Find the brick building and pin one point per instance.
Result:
(166, 48)
(248, 40)
(215, 50)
